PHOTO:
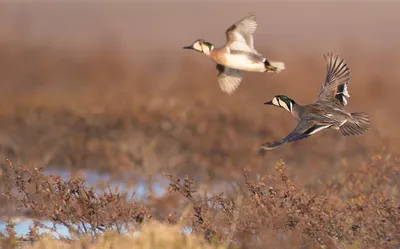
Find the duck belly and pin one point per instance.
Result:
(244, 62)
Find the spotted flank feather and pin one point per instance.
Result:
(357, 124)
(337, 78)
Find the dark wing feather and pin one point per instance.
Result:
(337, 78)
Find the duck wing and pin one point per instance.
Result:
(337, 78)
(239, 36)
(228, 78)
(304, 129)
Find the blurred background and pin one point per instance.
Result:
(105, 89)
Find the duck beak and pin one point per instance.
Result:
(188, 47)
(268, 103)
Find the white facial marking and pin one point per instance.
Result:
(275, 102)
(283, 104)
(206, 49)
(197, 46)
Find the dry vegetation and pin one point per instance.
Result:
(153, 235)
(101, 111)
(359, 209)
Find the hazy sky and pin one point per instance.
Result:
(169, 26)
(183, 1)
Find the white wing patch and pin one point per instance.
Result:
(344, 101)
(337, 78)
(345, 92)
(319, 128)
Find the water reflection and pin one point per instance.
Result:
(140, 191)
(101, 181)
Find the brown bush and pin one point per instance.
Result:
(70, 203)
(359, 208)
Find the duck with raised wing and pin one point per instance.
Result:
(237, 55)
(327, 111)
